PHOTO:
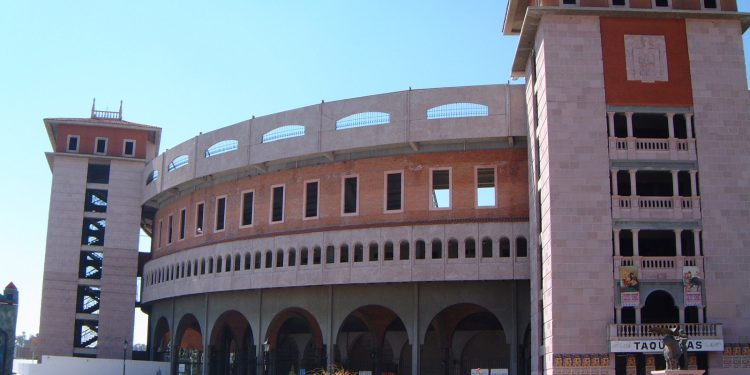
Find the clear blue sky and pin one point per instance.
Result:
(191, 67)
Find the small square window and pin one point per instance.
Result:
(101, 146)
(710, 4)
(73, 143)
(570, 2)
(619, 2)
(661, 3)
(128, 147)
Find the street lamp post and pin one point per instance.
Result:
(124, 354)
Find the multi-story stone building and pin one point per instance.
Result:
(541, 228)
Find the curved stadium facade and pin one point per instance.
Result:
(349, 230)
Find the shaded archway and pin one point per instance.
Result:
(295, 342)
(660, 308)
(231, 349)
(464, 337)
(189, 347)
(161, 345)
(373, 338)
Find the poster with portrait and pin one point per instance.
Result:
(630, 295)
(692, 283)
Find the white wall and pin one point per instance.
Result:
(51, 365)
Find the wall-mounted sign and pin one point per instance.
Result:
(630, 295)
(656, 346)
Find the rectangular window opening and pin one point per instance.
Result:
(221, 210)
(128, 147)
(96, 200)
(440, 193)
(350, 195)
(393, 191)
(247, 208)
(661, 3)
(101, 146)
(169, 229)
(183, 215)
(311, 199)
(277, 204)
(486, 193)
(710, 4)
(98, 174)
(199, 219)
(73, 141)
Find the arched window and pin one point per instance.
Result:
(359, 120)
(316, 255)
(344, 253)
(203, 266)
(504, 246)
(486, 247)
(189, 269)
(269, 259)
(279, 258)
(359, 250)
(454, 110)
(178, 163)
(437, 249)
(419, 247)
(292, 257)
(403, 249)
(248, 260)
(388, 250)
(195, 267)
(522, 249)
(284, 132)
(303, 256)
(218, 264)
(659, 308)
(470, 248)
(373, 252)
(228, 263)
(330, 254)
(210, 265)
(257, 260)
(224, 146)
(452, 248)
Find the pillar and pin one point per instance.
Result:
(611, 123)
(629, 119)
(670, 124)
(636, 251)
(614, 182)
(616, 235)
(678, 242)
(689, 125)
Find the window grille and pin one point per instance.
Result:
(222, 147)
(284, 132)
(454, 110)
(362, 119)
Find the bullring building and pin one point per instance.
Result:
(536, 228)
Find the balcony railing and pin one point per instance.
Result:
(638, 207)
(632, 148)
(643, 331)
(658, 268)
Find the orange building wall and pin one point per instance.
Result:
(619, 91)
(115, 138)
(512, 197)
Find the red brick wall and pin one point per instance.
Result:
(512, 197)
(115, 137)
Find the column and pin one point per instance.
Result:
(676, 199)
(689, 125)
(681, 312)
(670, 124)
(614, 182)
(629, 119)
(697, 240)
(611, 123)
(636, 252)
(616, 235)
(678, 242)
(633, 192)
(693, 183)
(638, 315)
